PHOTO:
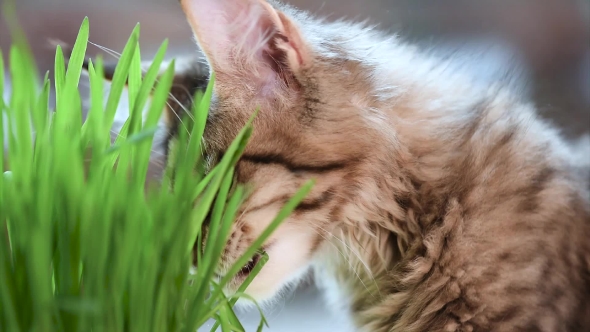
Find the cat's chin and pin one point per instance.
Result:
(288, 264)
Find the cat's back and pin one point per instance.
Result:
(522, 240)
(510, 248)
(497, 194)
(526, 236)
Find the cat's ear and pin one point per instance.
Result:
(247, 37)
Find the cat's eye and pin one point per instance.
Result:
(250, 265)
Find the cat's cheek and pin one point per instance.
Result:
(289, 261)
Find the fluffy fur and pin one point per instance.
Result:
(441, 204)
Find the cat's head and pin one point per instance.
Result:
(309, 92)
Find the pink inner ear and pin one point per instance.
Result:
(230, 30)
(249, 41)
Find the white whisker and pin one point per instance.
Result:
(186, 111)
(111, 52)
(179, 119)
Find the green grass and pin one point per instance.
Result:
(85, 246)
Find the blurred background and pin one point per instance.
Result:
(548, 40)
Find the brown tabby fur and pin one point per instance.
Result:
(440, 205)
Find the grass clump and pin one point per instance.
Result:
(84, 245)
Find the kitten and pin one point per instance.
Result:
(440, 204)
